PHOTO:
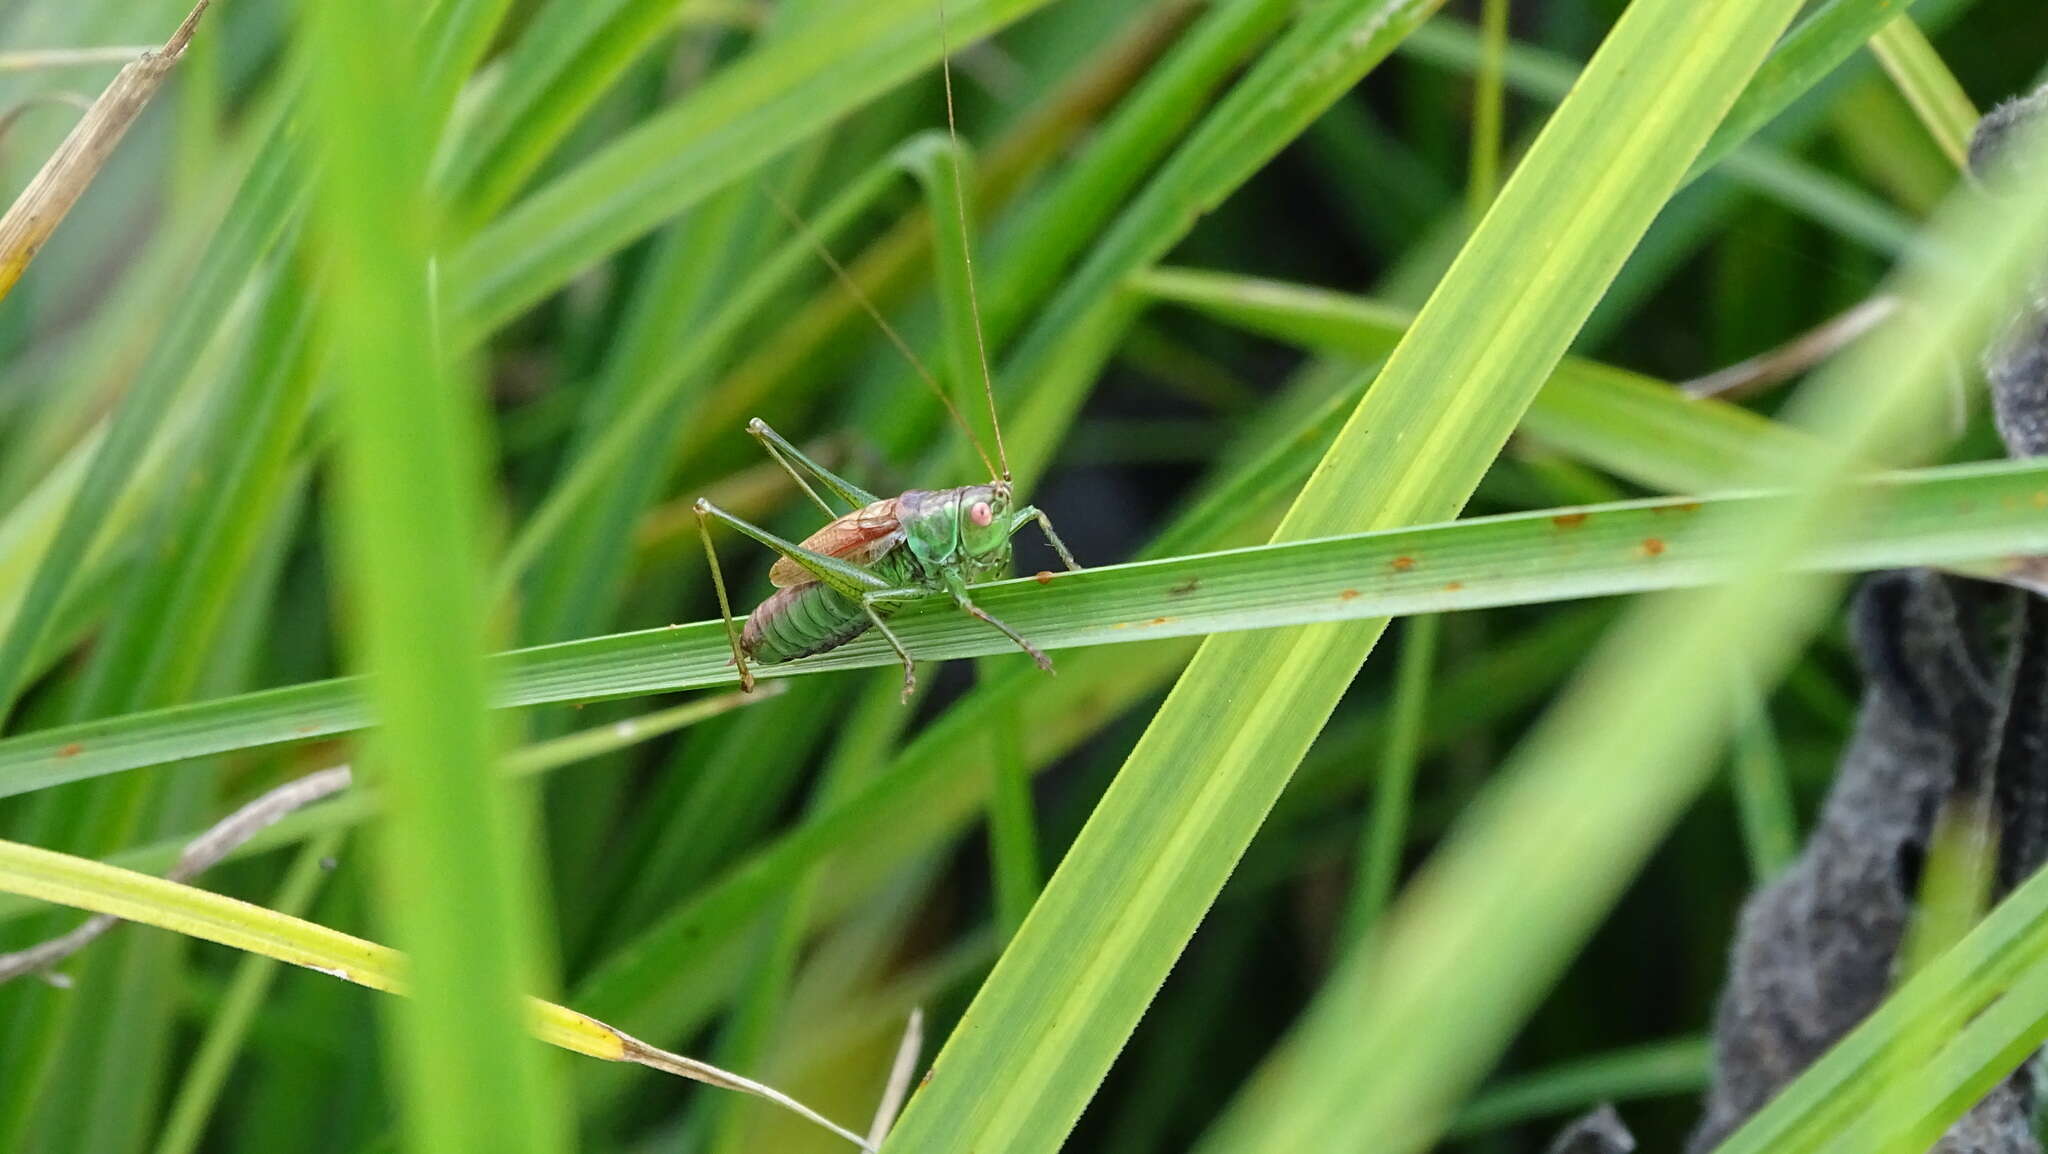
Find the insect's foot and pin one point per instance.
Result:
(1044, 662)
(909, 686)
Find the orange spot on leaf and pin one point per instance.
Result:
(1348, 595)
(1162, 621)
(72, 749)
(1653, 546)
(1403, 564)
(1043, 577)
(1568, 520)
(1453, 586)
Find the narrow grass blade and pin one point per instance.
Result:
(1934, 516)
(1386, 827)
(1629, 424)
(1927, 84)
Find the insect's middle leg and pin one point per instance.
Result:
(871, 602)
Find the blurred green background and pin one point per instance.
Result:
(292, 500)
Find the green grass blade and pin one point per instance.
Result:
(1038, 1038)
(198, 1094)
(1930, 517)
(268, 199)
(1677, 1067)
(1386, 828)
(744, 117)
(455, 882)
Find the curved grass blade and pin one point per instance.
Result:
(1933, 516)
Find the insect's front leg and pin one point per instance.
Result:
(958, 589)
(1034, 513)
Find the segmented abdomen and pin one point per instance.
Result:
(800, 621)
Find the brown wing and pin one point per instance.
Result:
(861, 537)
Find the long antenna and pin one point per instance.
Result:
(988, 381)
(853, 290)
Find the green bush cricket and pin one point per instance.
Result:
(851, 575)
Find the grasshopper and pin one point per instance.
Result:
(853, 574)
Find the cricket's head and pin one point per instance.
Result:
(985, 521)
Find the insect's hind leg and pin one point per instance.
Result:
(796, 463)
(732, 633)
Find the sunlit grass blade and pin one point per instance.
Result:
(1927, 84)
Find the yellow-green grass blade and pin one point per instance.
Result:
(104, 889)
(1947, 515)
(1830, 35)
(1927, 84)
(1799, 185)
(1629, 424)
(1515, 889)
(457, 886)
(1040, 1035)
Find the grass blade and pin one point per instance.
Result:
(1934, 516)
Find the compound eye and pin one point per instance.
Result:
(981, 514)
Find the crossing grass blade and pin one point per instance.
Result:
(1040, 1035)
(410, 505)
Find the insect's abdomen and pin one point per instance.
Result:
(800, 621)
